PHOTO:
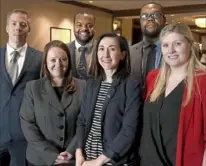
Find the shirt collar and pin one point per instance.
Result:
(10, 50)
(146, 43)
(157, 43)
(88, 45)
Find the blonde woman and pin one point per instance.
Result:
(174, 126)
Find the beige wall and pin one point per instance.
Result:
(196, 37)
(203, 41)
(127, 29)
(51, 14)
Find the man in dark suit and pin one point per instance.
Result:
(146, 54)
(82, 47)
(19, 64)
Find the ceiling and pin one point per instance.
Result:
(184, 11)
(135, 4)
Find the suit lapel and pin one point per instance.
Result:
(50, 95)
(187, 113)
(66, 99)
(136, 61)
(109, 96)
(27, 62)
(95, 89)
(73, 58)
(3, 65)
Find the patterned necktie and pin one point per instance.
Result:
(82, 67)
(13, 67)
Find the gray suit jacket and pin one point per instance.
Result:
(11, 96)
(138, 62)
(72, 50)
(139, 56)
(49, 124)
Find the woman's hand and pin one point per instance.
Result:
(79, 158)
(101, 160)
(204, 159)
(92, 163)
(63, 157)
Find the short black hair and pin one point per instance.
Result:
(84, 13)
(123, 69)
(154, 3)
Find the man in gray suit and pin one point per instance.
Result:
(81, 48)
(19, 64)
(146, 54)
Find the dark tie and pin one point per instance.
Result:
(13, 67)
(82, 67)
(151, 57)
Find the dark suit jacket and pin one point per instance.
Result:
(119, 118)
(138, 62)
(72, 50)
(11, 96)
(48, 123)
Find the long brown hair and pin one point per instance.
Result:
(123, 69)
(69, 82)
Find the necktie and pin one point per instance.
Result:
(82, 67)
(13, 67)
(151, 57)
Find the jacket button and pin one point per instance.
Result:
(61, 127)
(61, 138)
(61, 115)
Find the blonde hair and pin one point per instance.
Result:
(192, 65)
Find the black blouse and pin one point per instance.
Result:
(59, 91)
(160, 127)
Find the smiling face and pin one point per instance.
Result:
(109, 53)
(151, 26)
(175, 49)
(17, 28)
(84, 28)
(57, 62)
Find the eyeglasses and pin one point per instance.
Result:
(146, 16)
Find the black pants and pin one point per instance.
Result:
(17, 153)
(30, 164)
(4, 158)
(69, 164)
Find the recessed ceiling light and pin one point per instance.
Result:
(172, 15)
(90, 1)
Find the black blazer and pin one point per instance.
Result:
(119, 118)
(11, 96)
(49, 124)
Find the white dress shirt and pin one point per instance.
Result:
(89, 52)
(9, 55)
